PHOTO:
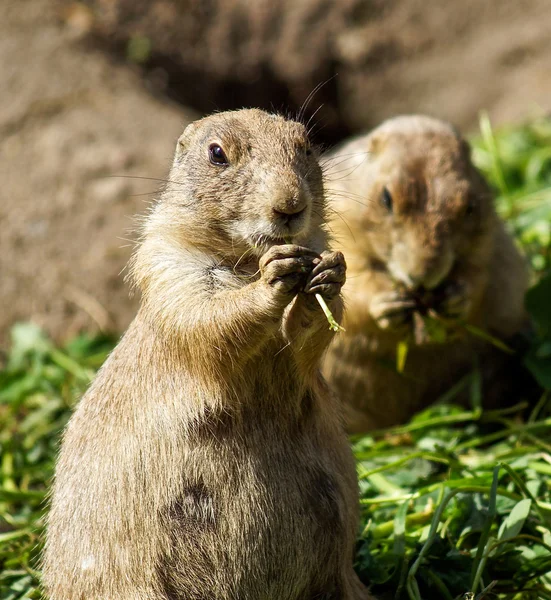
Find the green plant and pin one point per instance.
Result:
(38, 388)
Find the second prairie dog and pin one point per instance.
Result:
(207, 461)
(417, 225)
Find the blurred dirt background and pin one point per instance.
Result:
(92, 91)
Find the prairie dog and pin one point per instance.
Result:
(417, 224)
(208, 461)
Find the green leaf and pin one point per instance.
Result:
(514, 522)
(401, 355)
(400, 529)
(26, 338)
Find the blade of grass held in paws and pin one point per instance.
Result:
(333, 325)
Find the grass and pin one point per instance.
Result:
(455, 505)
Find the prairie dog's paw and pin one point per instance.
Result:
(285, 268)
(327, 276)
(456, 302)
(392, 310)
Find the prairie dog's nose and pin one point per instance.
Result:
(418, 264)
(430, 272)
(290, 207)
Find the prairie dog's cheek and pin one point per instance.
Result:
(382, 246)
(397, 262)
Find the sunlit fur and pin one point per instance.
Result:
(442, 229)
(207, 461)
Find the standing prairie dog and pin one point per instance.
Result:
(417, 224)
(207, 461)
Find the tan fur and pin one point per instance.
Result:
(443, 242)
(207, 461)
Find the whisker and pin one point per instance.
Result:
(340, 155)
(349, 198)
(326, 164)
(247, 251)
(333, 177)
(309, 129)
(123, 239)
(143, 194)
(300, 114)
(312, 132)
(343, 193)
(314, 114)
(322, 218)
(145, 178)
(341, 217)
(351, 169)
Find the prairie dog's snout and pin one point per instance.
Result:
(285, 205)
(420, 259)
(288, 202)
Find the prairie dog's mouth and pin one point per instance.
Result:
(274, 234)
(428, 279)
(265, 241)
(262, 233)
(262, 239)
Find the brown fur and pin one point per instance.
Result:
(207, 461)
(441, 247)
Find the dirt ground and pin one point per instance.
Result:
(69, 120)
(74, 116)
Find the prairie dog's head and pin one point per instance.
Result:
(413, 200)
(243, 181)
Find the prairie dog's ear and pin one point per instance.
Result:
(375, 144)
(185, 139)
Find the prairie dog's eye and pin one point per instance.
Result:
(471, 207)
(386, 199)
(308, 151)
(217, 156)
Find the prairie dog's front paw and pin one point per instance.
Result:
(285, 268)
(392, 310)
(455, 302)
(327, 276)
